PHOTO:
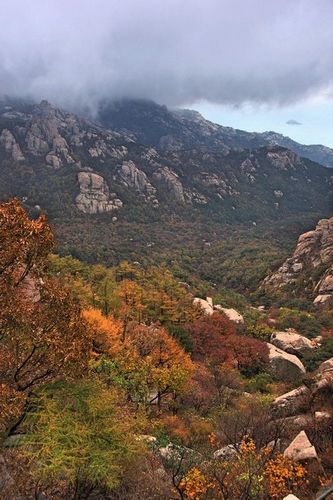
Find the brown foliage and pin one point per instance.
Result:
(215, 340)
(42, 334)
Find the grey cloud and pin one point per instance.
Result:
(293, 122)
(172, 51)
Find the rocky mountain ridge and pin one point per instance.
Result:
(58, 142)
(174, 130)
(76, 170)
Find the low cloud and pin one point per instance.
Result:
(293, 122)
(176, 52)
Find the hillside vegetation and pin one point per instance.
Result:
(116, 383)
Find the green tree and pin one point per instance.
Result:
(80, 432)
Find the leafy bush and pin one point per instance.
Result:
(304, 322)
(78, 432)
(312, 359)
(259, 383)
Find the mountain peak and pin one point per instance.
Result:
(181, 129)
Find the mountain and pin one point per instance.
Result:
(310, 268)
(155, 125)
(110, 197)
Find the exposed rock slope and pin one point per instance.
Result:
(311, 264)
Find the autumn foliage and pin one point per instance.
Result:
(149, 363)
(116, 386)
(216, 341)
(251, 473)
(42, 334)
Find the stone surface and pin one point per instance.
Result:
(326, 366)
(206, 307)
(322, 299)
(300, 449)
(94, 196)
(231, 314)
(314, 249)
(8, 142)
(293, 401)
(284, 366)
(172, 183)
(135, 178)
(325, 284)
(226, 452)
(292, 342)
(53, 160)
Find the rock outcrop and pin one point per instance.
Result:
(205, 305)
(130, 175)
(226, 452)
(284, 366)
(172, 183)
(293, 402)
(209, 309)
(8, 142)
(314, 251)
(326, 366)
(231, 314)
(292, 342)
(284, 160)
(94, 196)
(301, 449)
(300, 400)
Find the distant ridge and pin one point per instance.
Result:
(156, 125)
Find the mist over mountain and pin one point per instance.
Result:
(166, 282)
(176, 54)
(169, 181)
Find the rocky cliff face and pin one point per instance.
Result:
(133, 177)
(311, 263)
(95, 195)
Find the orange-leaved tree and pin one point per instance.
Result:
(150, 365)
(105, 330)
(249, 473)
(42, 334)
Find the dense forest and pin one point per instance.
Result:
(116, 382)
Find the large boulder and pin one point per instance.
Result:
(322, 299)
(293, 401)
(284, 366)
(326, 366)
(205, 305)
(231, 314)
(292, 342)
(301, 450)
(226, 452)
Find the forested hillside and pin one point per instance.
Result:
(123, 382)
(207, 214)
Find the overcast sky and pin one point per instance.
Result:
(253, 64)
